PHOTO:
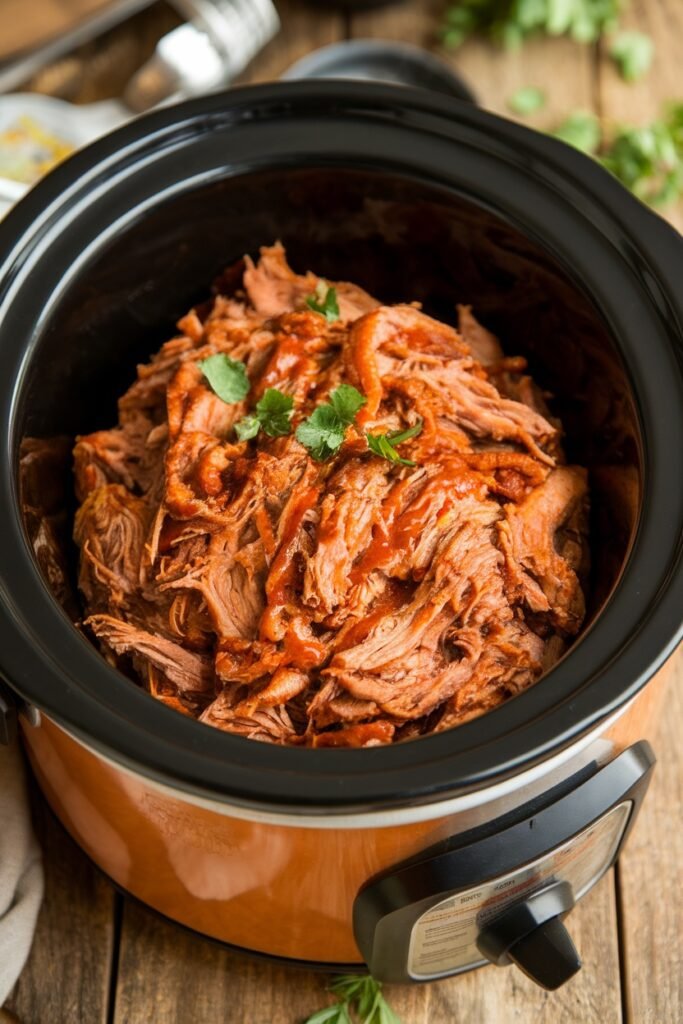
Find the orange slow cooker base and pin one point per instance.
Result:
(276, 889)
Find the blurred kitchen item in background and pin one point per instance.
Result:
(27, 151)
(218, 41)
(357, 5)
(380, 61)
(36, 132)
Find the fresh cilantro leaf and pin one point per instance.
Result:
(322, 433)
(247, 428)
(581, 130)
(227, 377)
(527, 100)
(384, 445)
(346, 402)
(273, 415)
(274, 412)
(324, 300)
(633, 52)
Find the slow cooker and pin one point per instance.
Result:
(435, 855)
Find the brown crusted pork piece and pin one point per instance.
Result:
(273, 288)
(340, 591)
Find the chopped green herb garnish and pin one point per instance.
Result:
(273, 415)
(323, 432)
(227, 377)
(247, 428)
(274, 412)
(324, 301)
(633, 52)
(346, 402)
(360, 993)
(527, 100)
(384, 445)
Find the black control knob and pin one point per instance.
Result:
(531, 934)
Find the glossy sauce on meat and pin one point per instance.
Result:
(350, 602)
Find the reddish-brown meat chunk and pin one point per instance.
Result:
(542, 562)
(186, 671)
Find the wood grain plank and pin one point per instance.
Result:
(170, 976)
(566, 72)
(304, 27)
(642, 101)
(67, 977)
(164, 971)
(102, 68)
(651, 881)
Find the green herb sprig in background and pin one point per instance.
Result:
(648, 159)
(527, 100)
(581, 130)
(510, 22)
(632, 52)
(356, 993)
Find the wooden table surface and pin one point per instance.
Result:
(101, 958)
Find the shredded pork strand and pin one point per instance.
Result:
(345, 603)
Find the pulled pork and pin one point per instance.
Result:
(343, 603)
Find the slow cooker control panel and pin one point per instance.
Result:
(502, 894)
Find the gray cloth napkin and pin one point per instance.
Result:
(21, 870)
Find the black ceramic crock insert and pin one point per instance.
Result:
(412, 195)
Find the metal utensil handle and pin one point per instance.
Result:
(218, 41)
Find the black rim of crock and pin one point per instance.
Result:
(628, 260)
